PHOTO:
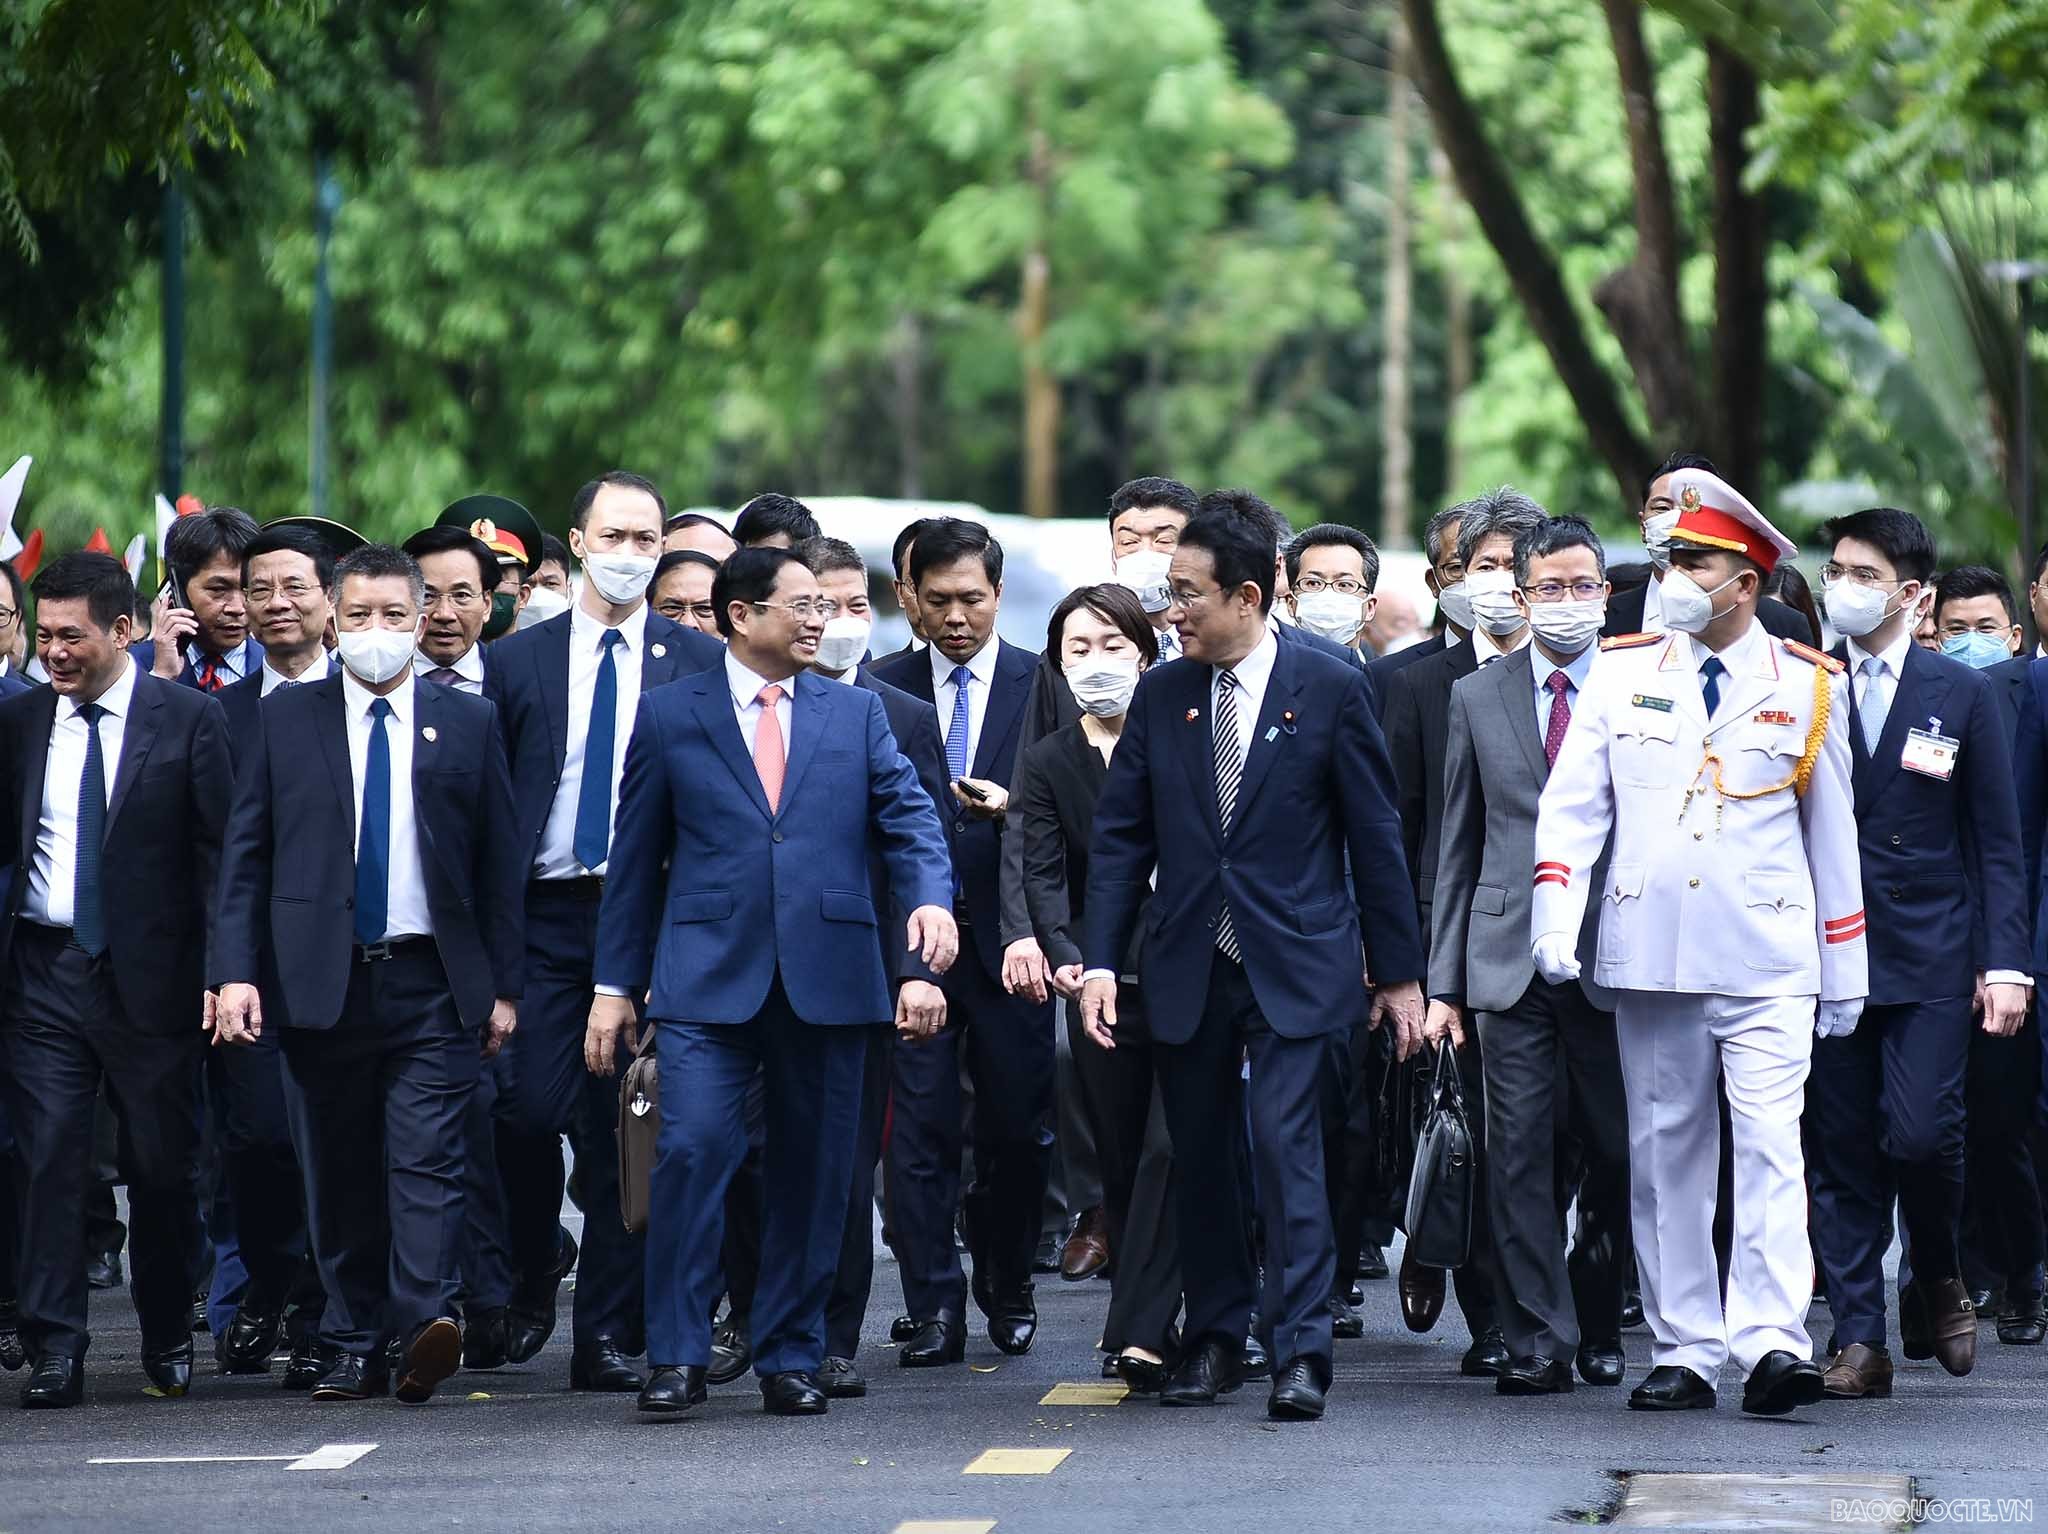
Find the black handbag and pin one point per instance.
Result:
(639, 1130)
(1439, 1222)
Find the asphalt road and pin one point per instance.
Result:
(1408, 1444)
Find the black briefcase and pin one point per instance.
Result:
(1440, 1189)
(639, 1128)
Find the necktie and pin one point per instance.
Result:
(594, 798)
(1229, 771)
(1169, 644)
(956, 735)
(1875, 703)
(768, 746)
(448, 676)
(373, 837)
(1710, 683)
(1560, 715)
(88, 915)
(209, 675)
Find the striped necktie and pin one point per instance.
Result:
(1229, 773)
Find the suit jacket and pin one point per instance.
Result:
(1944, 882)
(1316, 790)
(1625, 616)
(528, 680)
(1052, 815)
(915, 726)
(2030, 776)
(143, 653)
(161, 853)
(11, 684)
(288, 875)
(2008, 681)
(977, 843)
(1418, 725)
(1494, 772)
(1382, 669)
(711, 896)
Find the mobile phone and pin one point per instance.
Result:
(173, 590)
(978, 795)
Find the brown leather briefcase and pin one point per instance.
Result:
(639, 1128)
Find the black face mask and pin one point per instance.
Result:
(504, 608)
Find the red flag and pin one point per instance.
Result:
(98, 543)
(189, 504)
(30, 557)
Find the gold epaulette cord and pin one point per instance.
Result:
(1802, 772)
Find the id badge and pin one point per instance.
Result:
(1931, 753)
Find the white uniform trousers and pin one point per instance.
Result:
(1673, 1048)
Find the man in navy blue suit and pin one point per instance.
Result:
(1249, 776)
(370, 909)
(567, 691)
(1937, 830)
(979, 684)
(199, 629)
(739, 900)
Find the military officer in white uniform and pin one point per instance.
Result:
(1717, 758)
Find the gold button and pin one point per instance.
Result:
(1699, 836)
(1692, 883)
(1617, 891)
(1709, 740)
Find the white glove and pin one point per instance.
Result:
(1557, 957)
(1837, 1019)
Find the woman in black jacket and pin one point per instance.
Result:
(1103, 641)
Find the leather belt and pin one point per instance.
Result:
(590, 887)
(395, 948)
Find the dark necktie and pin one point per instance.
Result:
(1229, 773)
(956, 735)
(1710, 684)
(1560, 715)
(88, 914)
(373, 839)
(594, 798)
(444, 676)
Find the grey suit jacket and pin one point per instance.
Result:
(1494, 772)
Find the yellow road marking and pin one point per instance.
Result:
(1093, 1393)
(1017, 1462)
(946, 1526)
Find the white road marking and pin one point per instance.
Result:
(332, 1456)
(329, 1456)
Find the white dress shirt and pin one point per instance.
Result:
(746, 702)
(468, 669)
(983, 669)
(405, 910)
(557, 858)
(1169, 643)
(53, 870)
(1488, 649)
(273, 678)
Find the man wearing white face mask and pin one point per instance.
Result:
(1331, 572)
(567, 692)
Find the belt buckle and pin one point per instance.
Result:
(373, 953)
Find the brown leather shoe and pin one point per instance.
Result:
(1954, 1320)
(1857, 1372)
(1087, 1250)
(1422, 1294)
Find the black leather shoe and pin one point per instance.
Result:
(1047, 1258)
(12, 1354)
(1602, 1363)
(1206, 1373)
(1916, 1328)
(903, 1328)
(1297, 1396)
(1631, 1308)
(104, 1271)
(434, 1353)
(795, 1394)
(1487, 1356)
(169, 1369)
(1344, 1321)
(245, 1347)
(941, 1340)
(732, 1351)
(1141, 1376)
(530, 1318)
(309, 1361)
(1109, 1367)
(2023, 1322)
(1014, 1321)
(354, 1377)
(841, 1379)
(1372, 1263)
(1257, 1362)
(484, 1337)
(1672, 1387)
(200, 1321)
(1782, 1382)
(54, 1381)
(1533, 1377)
(670, 1390)
(603, 1365)
(1989, 1300)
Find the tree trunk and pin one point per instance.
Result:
(907, 362)
(1531, 270)
(1741, 291)
(1458, 366)
(1041, 389)
(1396, 446)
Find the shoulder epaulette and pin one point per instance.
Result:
(1629, 641)
(1809, 654)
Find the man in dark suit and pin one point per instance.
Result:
(1937, 831)
(105, 769)
(978, 684)
(370, 911)
(1246, 777)
(567, 692)
(1445, 578)
(462, 575)
(739, 902)
(199, 628)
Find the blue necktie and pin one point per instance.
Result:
(373, 838)
(88, 914)
(956, 737)
(594, 798)
(1710, 683)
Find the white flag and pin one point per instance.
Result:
(10, 496)
(138, 547)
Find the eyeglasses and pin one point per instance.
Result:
(803, 607)
(294, 591)
(8, 615)
(1832, 574)
(1346, 585)
(1557, 591)
(675, 612)
(461, 598)
(1187, 596)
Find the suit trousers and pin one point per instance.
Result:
(1675, 1048)
(486, 1231)
(1902, 1074)
(1553, 1069)
(2002, 1228)
(855, 1277)
(1206, 1095)
(259, 1166)
(63, 1031)
(1007, 1047)
(811, 1083)
(1075, 1183)
(377, 1106)
(545, 1091)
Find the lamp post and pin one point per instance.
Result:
(2021, 274)
(326, 202)
(171, 401)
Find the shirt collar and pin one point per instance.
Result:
(359, 698)
(1578, 668)
(1741, 657)
(236, 660)
(746, 684)
(1487, 648)
(1256, 669)
(982, 665)
(1893, 655)
(586, 633)
(274, 678)
(118, 700)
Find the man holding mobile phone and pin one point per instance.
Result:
(199, 623)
